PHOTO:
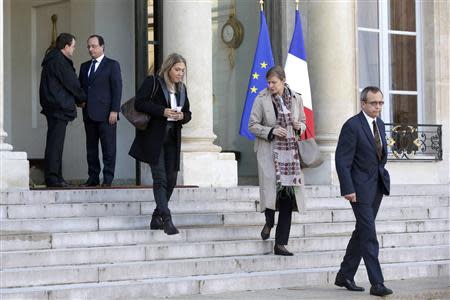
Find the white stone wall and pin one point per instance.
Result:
(230, 83)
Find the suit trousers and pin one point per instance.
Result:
(104, 133)
(54, 147)
(164, 173)
(363, 243)
(284, 220)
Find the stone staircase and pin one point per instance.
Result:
(95, 244)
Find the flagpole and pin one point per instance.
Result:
(261, 2)
(296, 4)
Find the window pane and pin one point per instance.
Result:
(368, 59)
(404, 109)
(368, 13)
(151, 36)
(403, 63)
(403, 15)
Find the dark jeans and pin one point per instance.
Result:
(164, 174)
(106, 134)
(284, 220)
(363, 243)
(54, 147)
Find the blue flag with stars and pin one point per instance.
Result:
(262, 62)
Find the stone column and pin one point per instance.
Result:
(187, 30)
(333, 75)
(14, 167)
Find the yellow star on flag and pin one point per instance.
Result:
(255, 75)
(263, 65)
(253, 89)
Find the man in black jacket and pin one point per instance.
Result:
(59, 92)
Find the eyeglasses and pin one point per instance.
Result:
(375, 103)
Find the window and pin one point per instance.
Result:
(389, 56)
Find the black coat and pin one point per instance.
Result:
(59, 89)
(148, 143)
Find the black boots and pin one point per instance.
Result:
(168, 226)
(265, 232)
(156, 223)
(281, 250)
(164, 223)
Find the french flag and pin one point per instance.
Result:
(296, 69)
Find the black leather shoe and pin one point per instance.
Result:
(168, 226)
(265, 232)
(67, 185)
(106, 185)
(380, 290)
(61, 184)
(89, 183)
(281, 250)
(55, 185)
(156, 223)
(347, 283)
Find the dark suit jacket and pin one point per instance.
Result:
(148, 143)
(357, 164)
(104, 90)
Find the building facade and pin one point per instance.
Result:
(401, 46)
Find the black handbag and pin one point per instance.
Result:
(138, 119)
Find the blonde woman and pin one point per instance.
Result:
(277, 114)
(159, 144)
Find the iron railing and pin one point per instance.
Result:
(414, 142)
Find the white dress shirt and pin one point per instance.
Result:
(99, 60)
(173, 104)
(370, 122)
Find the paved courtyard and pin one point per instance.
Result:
(423, 289)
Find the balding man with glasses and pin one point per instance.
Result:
(361, 156)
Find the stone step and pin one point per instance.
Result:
(217, 283)
(131, 208)
(167, 251)
(74, 224)
(198, 234)
(33, 276)
(387, 202)
(30, 211)
(325, 229)
(204, 194)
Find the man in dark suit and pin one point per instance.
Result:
(101, 79)
(361, 156)
(59, 91)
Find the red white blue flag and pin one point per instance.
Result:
(296, 69)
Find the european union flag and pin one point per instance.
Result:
(262, 62)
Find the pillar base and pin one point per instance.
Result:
(15, 171)
(206, 169)
(203, 169)
(325, 174)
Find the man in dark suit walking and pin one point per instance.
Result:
(361, 156)
(101, 79)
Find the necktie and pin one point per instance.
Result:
(377, 139)
(92, 70)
